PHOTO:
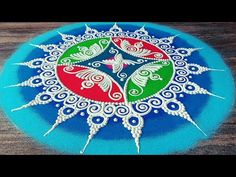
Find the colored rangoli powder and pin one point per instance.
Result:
(116, 88)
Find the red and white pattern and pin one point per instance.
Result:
(139, 48)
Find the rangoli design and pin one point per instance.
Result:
(115, 75)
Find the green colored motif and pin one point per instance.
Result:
(84, 50)
(149, 80)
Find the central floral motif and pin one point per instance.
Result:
(114, 70)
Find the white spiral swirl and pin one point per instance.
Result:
(65, 60)
(144, 37)
(82, 104)
(88, 36)
(181, 79)
(135, 92)
(143, 108)
(99, 35)
(132, 35)
(113, 51)
(170, 51)
(165, 63)
(168, 94)
(47, 74)
(72, 99)
(49, 82)
(155, 102)
(55, 53)
(182, 72)
(89, 52)
(97, 78)
(154, 41)
(139, 61)
(155, 77)
(180, 63)
(69, 69)
(103, 41)
(54, 88)
(121, 34)
(164, 46)
(115, 95)
(109, 110)
(175, 88)
(68, 44)
(109, 34)
(122, 75)
(96, 64)
(87, 84)
(122, 111)
(158, 55)
(51, 58)
(176, 57)
(94, 109)
(47, 66)
(144, 72)
(131, 49)
(60, 96)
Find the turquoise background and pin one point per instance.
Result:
(216, 111)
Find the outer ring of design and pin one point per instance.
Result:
(69, 143)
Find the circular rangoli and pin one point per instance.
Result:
(116, 88)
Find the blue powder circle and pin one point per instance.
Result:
(160, 136)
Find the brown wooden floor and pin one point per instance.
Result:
(222, 36)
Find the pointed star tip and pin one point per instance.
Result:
(143, 27)
(8, 86)
(13, 110)
(200, 48)
(46, 134)
(217, 96)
